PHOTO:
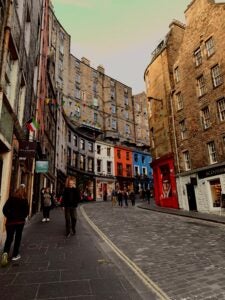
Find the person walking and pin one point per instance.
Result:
(132, 197)
(120, 197)
(114, 197)
(125, 197)
(70, 200)
(46, 205)
(16, 209)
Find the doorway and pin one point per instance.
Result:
(191, 197)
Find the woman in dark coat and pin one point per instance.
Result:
(70, 200)
(16, 209)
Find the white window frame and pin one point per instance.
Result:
(176, 74)
(217, 78)
(187, 162)
(210, 48)
(179, 101)
(198, 57)
(183, 129)
(221, 109)
(201, 85)
(212, 152)
(205, 117)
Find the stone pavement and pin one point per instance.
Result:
(55, 267)
(218, 217)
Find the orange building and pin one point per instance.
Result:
(123, 167)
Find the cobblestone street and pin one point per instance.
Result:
(184, 257)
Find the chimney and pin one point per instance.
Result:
(101, 69)
(85, 61)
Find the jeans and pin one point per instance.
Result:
(71, 219)
(11, 230)
(46, 211)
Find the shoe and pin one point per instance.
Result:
(44, 220)
(68, 235)
(47, 220)
(17, 257)
(4, 260)
(74, 232)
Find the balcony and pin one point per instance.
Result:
(112, 135)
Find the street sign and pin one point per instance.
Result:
(41, 166)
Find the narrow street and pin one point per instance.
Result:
(178, 258)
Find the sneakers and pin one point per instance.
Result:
(4, 260)
(47, 220)
(15, 258)
(68, 235)
(44, 220)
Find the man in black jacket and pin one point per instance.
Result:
(70, 200)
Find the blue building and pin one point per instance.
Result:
(142, 171)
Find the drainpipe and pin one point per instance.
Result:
(174, 131)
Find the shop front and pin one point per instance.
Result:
(104, 187)
(165, 192)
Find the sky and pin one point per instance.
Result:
(118, 34)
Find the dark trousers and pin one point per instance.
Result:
(11, 230)
(71, 219)
(46, 211)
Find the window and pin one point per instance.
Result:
(109, 167)
(183, 130)
(99, 165)
(77, 64)
(113, 108)
(77, 79)
(143, 159)
(205, 116)
(179, 101)
(186, 157)
(126, 114)
(216, 76)
(136, 170)
(127, 129)
(114, 124)
(112, 92)
(144, 171)
(126, 100)
(98, 149)
(82, 162)
(118, 154)
(90, 147)
(119, 169)
(82, 144)
(90, 164)
(68, 156)
(209, 44)
(127, 155)
(221, 109)
(77, 92)
(176, 75)
(198, 57)
(75, 140)
(69, 136)
(201, 85)
(77, 111)
(108, 151)
(95, 117)
(212, 152)
(135, 157)
(74, 159)
(128, 170)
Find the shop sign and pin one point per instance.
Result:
(41, 166)
(211, 172)
(27, 149)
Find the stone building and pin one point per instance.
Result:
(159, 85)
(59, 53)
(141, 121)
(20, 31)
(199, 107)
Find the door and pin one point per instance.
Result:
(191, 197)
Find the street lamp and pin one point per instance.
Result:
(156, 99)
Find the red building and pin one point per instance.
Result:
(165, 182)
(123, 167)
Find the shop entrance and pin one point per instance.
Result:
(191, 197)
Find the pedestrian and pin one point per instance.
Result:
(132, 197)
(105, 195)
(70, 200)
(120, 197)
(46, 204)
(15, 210)
(125, 197)
(148, 194)
(113, 197)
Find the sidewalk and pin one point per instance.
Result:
(216, 218)
(53, 266)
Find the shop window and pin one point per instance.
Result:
(166, 184)
(215, 187)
